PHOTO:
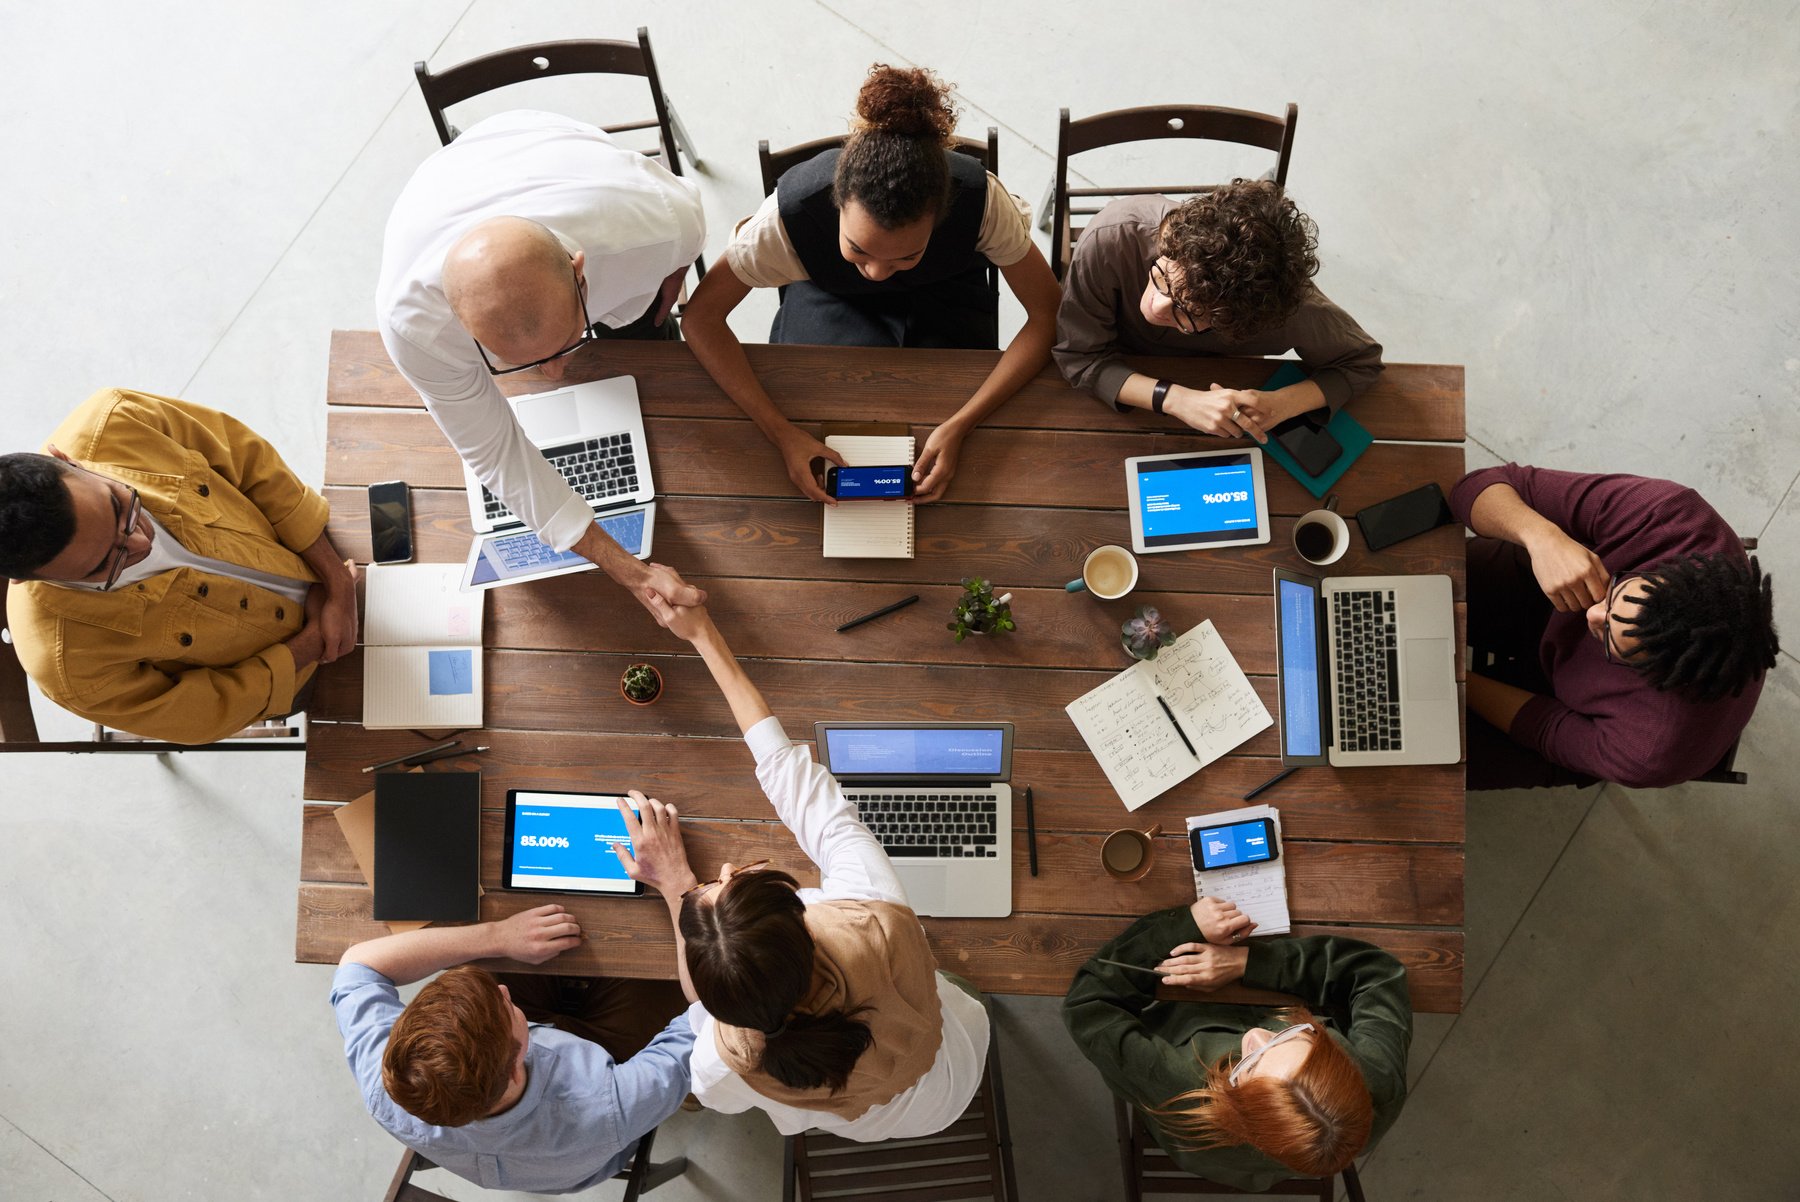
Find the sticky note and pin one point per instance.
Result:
(452, 673)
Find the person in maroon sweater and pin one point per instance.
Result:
(1619, 630)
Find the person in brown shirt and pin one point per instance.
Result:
(1225, 273)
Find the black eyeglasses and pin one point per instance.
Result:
(124, 548)
(1185, 321)
(1611, 652)
(587, 336)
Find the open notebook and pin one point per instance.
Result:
(870, 529)
(1259, 890)
(422, 648)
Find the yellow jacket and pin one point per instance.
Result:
(184, 655)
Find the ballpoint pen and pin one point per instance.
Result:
(444, 755)
(1030, 831)
(1161, 972)
(1184, 739)
(883, 612)
(413, 755)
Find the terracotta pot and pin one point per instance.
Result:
(654, 697)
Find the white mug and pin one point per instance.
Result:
(1308, 539)
(1108, 572)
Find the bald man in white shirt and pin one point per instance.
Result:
(514, 245)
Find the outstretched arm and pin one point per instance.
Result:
(530, 936)
(696, 626)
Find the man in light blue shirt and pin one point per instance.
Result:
(462, 1077)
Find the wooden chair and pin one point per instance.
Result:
(640, 1176)
(541, 60)
(19, 732)
(971, 1158)
(1065, 210)
(1149, 1170)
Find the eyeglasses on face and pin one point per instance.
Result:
(1184, 319)
(587, 336)
(705, 885)
(1610, 649)
(116, 566)
(1294, 1032)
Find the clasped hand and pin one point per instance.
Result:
(1226, 412)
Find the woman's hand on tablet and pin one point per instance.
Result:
(657, 856)
(534, 936)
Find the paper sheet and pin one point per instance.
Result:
(1259, 890)
(1134, 740)
(403, 689)
(870, 529)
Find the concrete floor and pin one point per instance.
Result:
(1591, 206)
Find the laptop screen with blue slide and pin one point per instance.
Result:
(1303, 687)
(916, 751)
(1198, 500)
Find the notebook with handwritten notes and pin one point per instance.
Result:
(1140, 744)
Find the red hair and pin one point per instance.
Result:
(1315, 1122)
(450, 1055)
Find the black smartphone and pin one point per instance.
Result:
(1234, 843)
(1399, 518)
(390, 522)
(868, 483)
(1310, 443)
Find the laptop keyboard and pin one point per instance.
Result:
(913, 824)
(1367, 671)
(598, 469)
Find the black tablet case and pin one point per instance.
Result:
(428, 846)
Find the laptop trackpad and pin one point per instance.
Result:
(927, 887)
(1429, 674)
(549, 417)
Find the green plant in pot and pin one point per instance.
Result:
(1146, 634)
(978, 611)
(640, 684)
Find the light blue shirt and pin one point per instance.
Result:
(576, 1125)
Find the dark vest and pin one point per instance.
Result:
(811, 219)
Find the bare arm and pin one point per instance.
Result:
(696, 626)
(530, 936)
(1496, 702)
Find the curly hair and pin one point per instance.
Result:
(37, 518)
(450, 1055)
(1706, 627)
(893, 165)
(1245, 254)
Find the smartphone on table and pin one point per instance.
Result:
(868, 483)
(390, 522)
(1309, 442)
(1399, 518)
(1234, 843)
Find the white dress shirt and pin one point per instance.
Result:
(851, 865)
(636, 223)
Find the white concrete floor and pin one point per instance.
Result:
(1591, 206)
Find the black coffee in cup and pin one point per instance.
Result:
(1314, 540)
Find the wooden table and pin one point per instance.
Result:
(1374, 853)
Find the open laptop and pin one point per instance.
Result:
(935, 795)
(1367, 668)
(593, 435)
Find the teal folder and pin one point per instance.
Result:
(1350, 434)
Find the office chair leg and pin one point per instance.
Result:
(660, 1174)
(683, 139)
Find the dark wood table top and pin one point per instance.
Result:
(1374, 853)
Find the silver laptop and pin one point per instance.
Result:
(593, 434)
(935, 795)
(1367, 667)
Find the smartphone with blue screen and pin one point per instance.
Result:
(1234, 843)
(868, 483)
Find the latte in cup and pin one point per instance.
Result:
(1109, 572)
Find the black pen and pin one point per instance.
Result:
(445, 755)
(1030, 831)
(880, 613)
(412, 755)
(1273, 780)
(1177, 726)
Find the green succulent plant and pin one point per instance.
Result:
(1146, 634)
(978, 611)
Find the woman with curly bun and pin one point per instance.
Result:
(1228, 272)
(886, 242)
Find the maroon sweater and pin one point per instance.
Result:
(1604, 719)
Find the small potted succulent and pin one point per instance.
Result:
(1146, 634)
(641, 684)
(978, 611)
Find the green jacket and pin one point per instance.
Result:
(1150, 1051)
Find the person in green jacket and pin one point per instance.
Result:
(1246, 1095)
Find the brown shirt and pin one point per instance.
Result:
(1099, 321)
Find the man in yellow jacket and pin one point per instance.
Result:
(171, 576)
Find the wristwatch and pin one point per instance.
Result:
(1159, 394)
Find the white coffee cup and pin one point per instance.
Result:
(1311, 532)
(1108, 572)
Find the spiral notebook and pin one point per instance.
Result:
(870, 529)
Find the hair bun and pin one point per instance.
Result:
(908, 101)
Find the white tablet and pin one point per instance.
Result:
(512, 556)
(1197, 500)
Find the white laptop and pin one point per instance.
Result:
(1367, 669)
(935, 795)
(593, 434)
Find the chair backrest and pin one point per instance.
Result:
(1072, 206)
(775, 162)
(541, 60)
(17, 725)
(1150, 1170)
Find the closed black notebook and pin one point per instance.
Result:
(428, 846)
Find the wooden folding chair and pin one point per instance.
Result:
(1150, 1170)
(640, 1176)
(971, 1158)
(1065, 211)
